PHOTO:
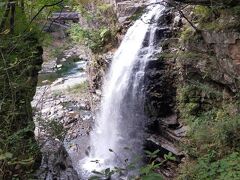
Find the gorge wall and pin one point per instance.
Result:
(207, 92)
(192, 91)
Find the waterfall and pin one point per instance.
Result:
(121, 120)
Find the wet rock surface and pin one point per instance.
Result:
(125, 9)
(208, 58)
(62, 130)
(97, 70)
(63, 118)
(219, 55)
(56, 163)
(161, 78)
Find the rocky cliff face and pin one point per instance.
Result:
(219, 62)
(123, 14)
(192, 87)
(164, 129)
(195, 80)
(209, 77)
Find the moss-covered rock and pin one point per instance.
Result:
(207, 93)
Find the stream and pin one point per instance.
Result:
(62, 105)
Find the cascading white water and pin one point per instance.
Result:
(121, 120)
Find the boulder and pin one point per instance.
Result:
(56, 163)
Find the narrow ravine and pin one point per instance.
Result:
(62, 106)
(120, 89)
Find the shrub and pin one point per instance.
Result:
(79, 88)
(186, 34)
(206, 168)
(94, 39)
(213, 142)
(203, 12)
(20, 62)
(217, 18)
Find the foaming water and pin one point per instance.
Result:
(121, 120)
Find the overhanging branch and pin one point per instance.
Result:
(42, 8)
(210, 2)
(177, 6)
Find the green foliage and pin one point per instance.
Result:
(189, 55)
(104, 7)
(217, 18)
(207, 168)
(31, 11)
(147, 172)
(191, 96)
(167, 55)
(227, 130)
(105, 174)
(32, 8)
(137, 14)
(90, 15)
(204, 13)
(152, 155)
(213, 141)
(79, 88)
(84, 12)
(236, 10)
(94, 39)
(20, 60)
(152, 176)
(19, 150)
(6, 155)
(169, 157)
(186, 34)
(149, 168)
(100, 33)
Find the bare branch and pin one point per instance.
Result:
(177, 7)
(210, 2)
(41, 9)
(53, 20)
(191, 24)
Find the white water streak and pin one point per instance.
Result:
(108, 132)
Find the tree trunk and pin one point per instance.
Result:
(12, 18)
(22, 6)
(5, 16)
